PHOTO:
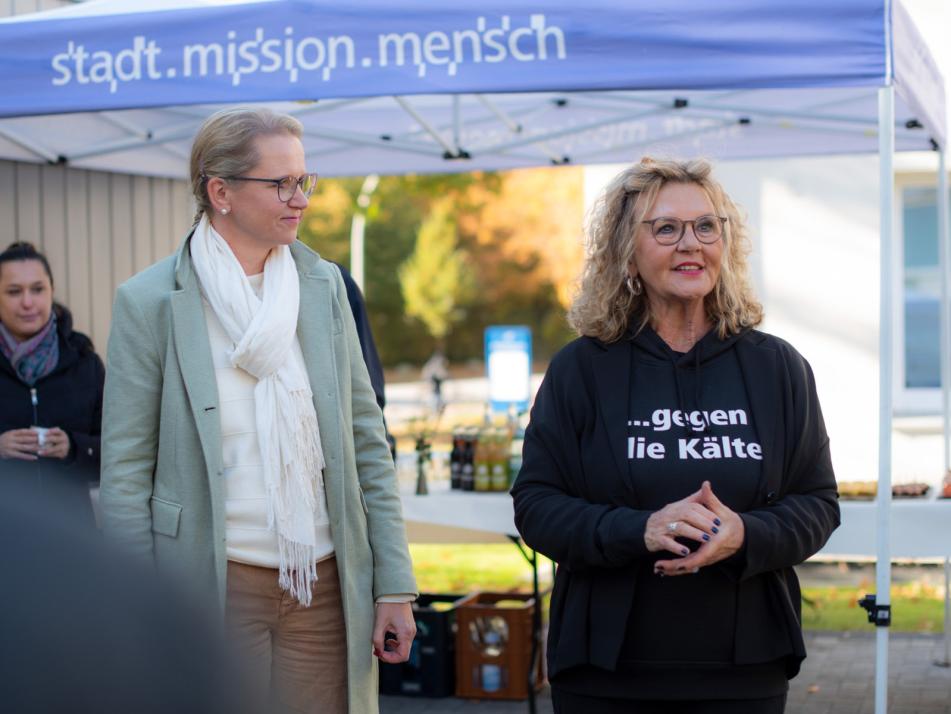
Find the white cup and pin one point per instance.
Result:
(41, 432)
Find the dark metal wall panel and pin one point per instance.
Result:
(79, 265)
(53, 226)
(97, 229)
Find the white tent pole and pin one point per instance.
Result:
(943, 248)
(944, 245)
(883, 566)
(946, 662)
(357, 228)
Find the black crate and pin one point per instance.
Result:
(431, 668)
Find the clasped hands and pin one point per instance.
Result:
(700, 517)
(24, 444)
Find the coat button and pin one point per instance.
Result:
(770, 497)
(89, 451)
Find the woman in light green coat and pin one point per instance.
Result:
(243, 448)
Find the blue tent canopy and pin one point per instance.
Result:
(420, 86)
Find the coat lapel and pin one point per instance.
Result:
(760, 368)
(195, 364)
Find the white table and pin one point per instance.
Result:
(446, 516)
(919, 529)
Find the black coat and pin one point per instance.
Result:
(70, 397)
(569, 506)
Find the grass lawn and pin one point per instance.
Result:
(915, 608)
(501, 568)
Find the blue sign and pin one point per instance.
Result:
(508, 364)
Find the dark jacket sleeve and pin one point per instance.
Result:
(367, 345)
(551, 514)
(86, 444)
(798, 520)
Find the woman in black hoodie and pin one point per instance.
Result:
(50, 386)
(676, 466)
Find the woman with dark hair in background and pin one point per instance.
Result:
(51, 383)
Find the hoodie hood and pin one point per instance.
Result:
(647, 346)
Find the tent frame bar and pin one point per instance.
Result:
(430, 129)
(13, 135)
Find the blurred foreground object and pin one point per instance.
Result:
(85, 630)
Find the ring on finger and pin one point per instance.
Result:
(673, 526)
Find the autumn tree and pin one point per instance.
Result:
(434, 282)
(519, 233)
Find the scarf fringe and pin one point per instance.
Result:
(298, 570)
(296, 503)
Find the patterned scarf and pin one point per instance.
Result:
(35, 357)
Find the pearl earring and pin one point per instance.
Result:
(224, 211)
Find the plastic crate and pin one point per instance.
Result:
(430, 669)
(494, 646)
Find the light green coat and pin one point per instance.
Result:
(163, 493)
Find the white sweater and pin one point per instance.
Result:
(248, 538)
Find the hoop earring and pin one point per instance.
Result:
(634, 285)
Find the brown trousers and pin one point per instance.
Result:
(296, 656)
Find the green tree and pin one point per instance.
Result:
(434, 282)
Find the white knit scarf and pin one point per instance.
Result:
(263, 331)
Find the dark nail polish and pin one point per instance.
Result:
(684, 551)
(715, 529)
(706, 537)
(716, 521)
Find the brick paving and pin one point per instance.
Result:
(838, 677)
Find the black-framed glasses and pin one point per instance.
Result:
(286, 185)
(669, 231)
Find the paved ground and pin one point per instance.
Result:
(838, 677)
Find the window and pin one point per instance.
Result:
(919, 373)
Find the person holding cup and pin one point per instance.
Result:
(51, 382)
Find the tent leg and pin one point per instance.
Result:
(946, 660)
(944, 253)
(886, 149)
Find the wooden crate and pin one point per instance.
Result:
(494, 647)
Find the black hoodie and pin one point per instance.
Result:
(740, 412)
(70, 397)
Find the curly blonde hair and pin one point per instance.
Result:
(604, 305)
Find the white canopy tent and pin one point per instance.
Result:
(121, 85)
